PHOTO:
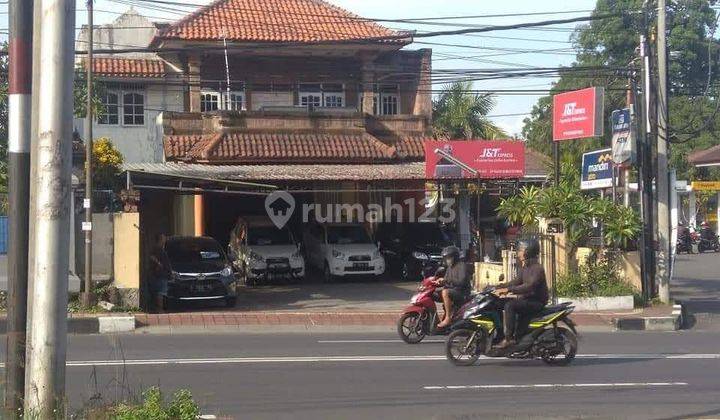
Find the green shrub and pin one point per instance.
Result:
(182, 407)
(596, 278)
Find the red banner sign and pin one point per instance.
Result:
(578, 114)
(474, 159)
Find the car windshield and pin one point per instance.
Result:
(341, 235)
(196, 255)
(426, 233)
(269, 235)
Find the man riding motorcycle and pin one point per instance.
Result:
(530, 290)
(456, 283)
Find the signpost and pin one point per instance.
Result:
(474, 159)
(597, 170)
(623, 145)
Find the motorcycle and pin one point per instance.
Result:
(549, 335)
(708, 241)
(684, 244)
(420, 319)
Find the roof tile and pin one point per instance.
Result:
(128, 67)
(302, 21)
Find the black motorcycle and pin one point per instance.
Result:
(708, 241)
(549, 335)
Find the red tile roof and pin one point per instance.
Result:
(301, 21)
(709, 156)
(278, 148)
(128, 67)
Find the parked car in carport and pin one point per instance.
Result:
(191, 268)
(261, 252)
(409, 248)
(341, 250)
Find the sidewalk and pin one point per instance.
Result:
(603, 320)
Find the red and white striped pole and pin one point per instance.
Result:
(19, 123)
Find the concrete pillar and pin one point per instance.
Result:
(367, 80)
(717, 214)
(423, 95)
(463, 221)
(199, 214)
(193, 76)
(692, 209)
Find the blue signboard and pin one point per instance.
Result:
(623, 145)
(597, 170)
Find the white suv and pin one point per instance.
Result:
(260, 251)
(342, 249)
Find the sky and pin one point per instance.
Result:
(473, 51)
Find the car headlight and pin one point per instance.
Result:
(297, 254)
(337, 254)
(420, 255)
(254, 256)
(227, 271)
(377, 254)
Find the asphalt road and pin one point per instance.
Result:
(373, 375)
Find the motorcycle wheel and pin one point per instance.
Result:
(411, 328)
(459, 351)
(569, 349)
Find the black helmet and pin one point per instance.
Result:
(531, 246)
(451, 251)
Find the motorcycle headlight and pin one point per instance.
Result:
(254, 256)
(420, 255)
(227, 271)
(337, 254)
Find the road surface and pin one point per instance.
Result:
(373, 375)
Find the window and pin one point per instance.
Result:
(389, 104)
(110, 113)
(321, 95)
(209, 101)
(234, 101)
(133, 109)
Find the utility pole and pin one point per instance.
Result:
(645, 176)
(87, 295)
(50, 195)
(20, 122)
(662, 179)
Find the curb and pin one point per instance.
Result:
(672, 322)
(92, 324)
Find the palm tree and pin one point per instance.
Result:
(460, 113)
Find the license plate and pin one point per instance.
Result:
(360, 266)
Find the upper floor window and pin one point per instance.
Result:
(321, 95)
(133, 108)
(213, 100)
(209, 101)
(110, 112)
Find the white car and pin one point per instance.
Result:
(342, 249)
(260, 251)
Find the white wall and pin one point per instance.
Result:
(140, 143)
(129, 30)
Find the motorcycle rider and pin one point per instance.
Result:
(455, 282)
(530, 289)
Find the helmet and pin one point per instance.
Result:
(531, 246)
(451, 251)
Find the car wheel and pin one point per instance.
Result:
(327, 274)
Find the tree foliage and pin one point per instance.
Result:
(107, 162)
(459, 113)
(612, 43)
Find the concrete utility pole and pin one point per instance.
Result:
(20, 122)
(87, 295)
(52, 155)
(663, 188)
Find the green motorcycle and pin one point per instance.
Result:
(549, 335)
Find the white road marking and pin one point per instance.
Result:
(517, 386)
(350, 358)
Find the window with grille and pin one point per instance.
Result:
(110, 112)
(234, 101)
(209, 101)
(133, 108)
(389, 103)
